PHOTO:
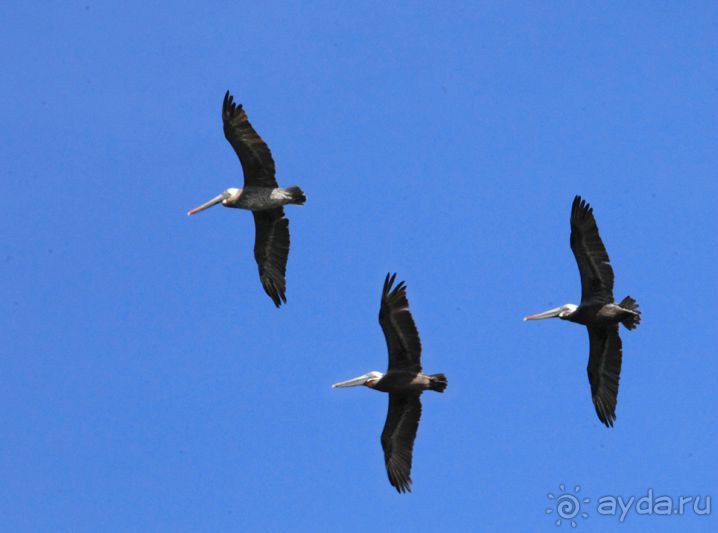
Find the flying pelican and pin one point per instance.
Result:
(597, 311)
(404, 381)
(262, 196)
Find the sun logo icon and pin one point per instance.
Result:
(567, 505)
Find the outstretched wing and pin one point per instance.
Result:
(402, 338)
(253, 152)
(591, 256)
(271, 249)
(397, 439)
(604, 370)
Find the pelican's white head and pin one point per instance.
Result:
(564, 311)
(369, 379)
(231, 195)
(228, 198)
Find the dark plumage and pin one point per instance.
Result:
(271, 251)
(597, 311)
(402, 337)
(591, 256)
(262, 196)
(404, 381)
(253, 152)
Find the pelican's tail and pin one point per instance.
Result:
(296, 195)
(633, 315)
(438, 382)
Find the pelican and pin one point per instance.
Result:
(404, 381)
(597, 311)
(262, 196)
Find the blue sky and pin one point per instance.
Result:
(148, 382)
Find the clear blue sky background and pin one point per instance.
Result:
(149, 384)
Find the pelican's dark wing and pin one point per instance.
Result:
(604, 370)
(402, 338)
(271, 248)
(253, 152)
(591, 255)
(398, 436)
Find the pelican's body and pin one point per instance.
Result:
(262, 196)
(404, 381)
(600, 314)
(590, 314)
(597, 311)
(255, 198)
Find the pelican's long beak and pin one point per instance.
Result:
(361, 380)
(551, 313)
(209, 204)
